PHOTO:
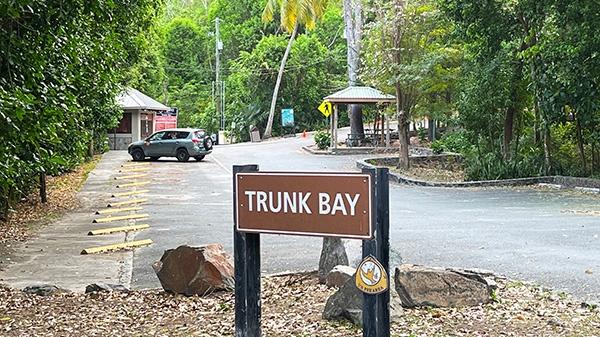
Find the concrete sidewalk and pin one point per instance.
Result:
(53, 255)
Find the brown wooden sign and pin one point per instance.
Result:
(318, 204)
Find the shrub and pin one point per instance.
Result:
(422, 134)
(322, 139)
(456, 142)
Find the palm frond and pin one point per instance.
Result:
(267, 14)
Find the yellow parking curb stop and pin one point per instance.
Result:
(128, 202)
(118, 246)
(122, 217)
(124, 194)
(133, 170)
(117, 210)
(118, 229)
(133, 176)
(140, 183)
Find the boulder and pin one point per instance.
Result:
(339, 275)
(420, 286)
(105, 287)
(43, 289)
(347, 304)
(195, 270)
(333, 254)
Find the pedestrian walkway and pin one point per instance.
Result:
(54, 256)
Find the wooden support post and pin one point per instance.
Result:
(43, 194)
(369, 247)
(382, 234)
(247, 272)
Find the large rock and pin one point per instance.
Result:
(339, 275)
(347, 304)
(195, 270)
(105, 287)
(420, 286)
(333, 253)
(43, 289)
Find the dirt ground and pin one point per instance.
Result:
(292, 306)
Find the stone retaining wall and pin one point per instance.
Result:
(443, 161)
(583, 184)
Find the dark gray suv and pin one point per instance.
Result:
(179, 143)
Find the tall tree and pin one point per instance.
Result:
(353, 20)
(293, 13)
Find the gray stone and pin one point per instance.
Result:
(195, 270)
(43, 289)
(339, 275)
(105, 287)
(333, 254)
(347, 304)
(420, 286)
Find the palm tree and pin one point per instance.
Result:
(292, 13)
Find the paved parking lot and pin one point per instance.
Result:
(546, 236)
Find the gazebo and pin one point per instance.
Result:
(354, 95)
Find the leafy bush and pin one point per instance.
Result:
(456, 142)
(322, 139)
(422, 134)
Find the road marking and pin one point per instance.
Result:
(121, 217)
(117, 210)
(124, 194)
(133, 176)
(118, 229)
(220, 164)
(134, 164)
(132, 170)
(139, 183)
(127, 202)
(117, 246)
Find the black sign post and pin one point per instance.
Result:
(247, 272)
(376, 314)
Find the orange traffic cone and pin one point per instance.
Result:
(304, 134)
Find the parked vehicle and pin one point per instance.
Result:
(179, 143)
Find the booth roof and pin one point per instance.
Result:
(358, 95)
(133, 99)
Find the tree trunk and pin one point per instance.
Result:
(269, 128)
(509, 119)
(353, 31)
(333, 254)
(580, 145)
(43, 194)
(357, 129)
(546, 145)
(403, 160)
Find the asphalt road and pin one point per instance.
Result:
(525, 233)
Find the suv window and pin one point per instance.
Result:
(157, 136)
(182, 134)
(199, 134)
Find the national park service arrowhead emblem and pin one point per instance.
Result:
(371, 277)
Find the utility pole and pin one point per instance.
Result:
(219, 99)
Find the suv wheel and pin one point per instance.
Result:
(137, 154)
(208, 143)
(182, 155)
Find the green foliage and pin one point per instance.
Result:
(61, 66)
(322, 139)
(455, 142)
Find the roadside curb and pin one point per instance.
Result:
(585, 185)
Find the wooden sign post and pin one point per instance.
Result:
(347, 205)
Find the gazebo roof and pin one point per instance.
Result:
(133, 99)
(358, 95)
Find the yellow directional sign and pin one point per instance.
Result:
(326, 108)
